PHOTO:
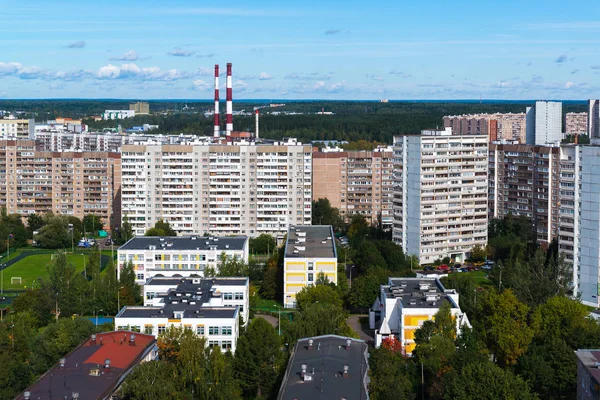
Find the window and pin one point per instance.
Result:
(213, 330)
(212, 343)
(139, 277)
(239, 296)
(226, 345)
(227, 296)
(157, 257)
(148, 329)
(226, 330)
(311, 277)
(310, 266)
(161, 329)
(200, 330)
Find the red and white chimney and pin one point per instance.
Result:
(256, 114)
(217, 128)
(229, 116)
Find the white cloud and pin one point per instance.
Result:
(374, 77)
(568, 85)
(504, 84)
(318, 76)
(201, 85)
(76, 45)
(132, 71)
(263, 76)
(131, 55)
(9, 68)
(400, 73)
(177, 52)
(240, 86)
(319, 85)
(337, 87)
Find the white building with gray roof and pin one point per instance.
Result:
(179, 256)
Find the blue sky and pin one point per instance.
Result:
(328, 49)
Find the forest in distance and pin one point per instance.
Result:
(351, 120)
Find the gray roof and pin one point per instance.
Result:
(312, 241)
(418, 292)
(327, 357)
(174, 243)
(166, 281)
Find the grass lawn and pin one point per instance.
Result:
(479, 277)
(33, 267)
(265, 304)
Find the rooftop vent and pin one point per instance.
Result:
(107, 364)
(301, 234)
(324, 241)
(346, 369)
(94, 338)
(310, 343)
(95, 372)
(62, 362)
(226, 246)
(27, 395)
(328, 237)
(132, 339)
(194, 237)
(348, 342)
(161, 239)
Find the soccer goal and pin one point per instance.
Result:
(16, 280)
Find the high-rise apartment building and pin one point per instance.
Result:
(524, 180)
(356, 182)
(69, 183)
(222, 189)
(141, 107)
(544, 123)
(440, 194)
(17, 128)
(569, 219)
(593, 118)
(576, 123)
(117, 114)
(496, 126)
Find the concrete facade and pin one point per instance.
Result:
(17, 128)
(576, 123)
(440, 194)
(544, 123)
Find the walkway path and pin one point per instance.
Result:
(363, 330)
(270, 319)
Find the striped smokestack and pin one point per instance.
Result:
(229, 116)
(217, 126)
(256, 129)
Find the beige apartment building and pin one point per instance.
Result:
(440, 194)
(222, 189)
(17, 128)
(68, 183)
(141, 107)
(525, 180)
(356, 182)
(576, 123)
(496, 126)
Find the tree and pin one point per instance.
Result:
(394, 257)
(92, 223)
(503, 321)
(368, 256)
(12, 230)
(478, 253)
(357, 230)
(39, 302)
(466, 288)
(268, 289)
(324, 214)
(228, 266)
(61, 277)
(259, 360)
(55, 233)
(366, 288)
(391, 375)
(129, 291)
(34, 223)
(153, 380)
(318, 319)
(323, 294)
(263, 244)
(485, 380)
(161, 228)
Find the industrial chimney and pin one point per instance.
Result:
(217, 126)
(229, 116)
(256, 129)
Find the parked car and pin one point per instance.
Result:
(443, 267)
(478, 263)
(107, 242)
(429, 268)
(487, 267)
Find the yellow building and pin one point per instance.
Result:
(404, 304)
(309, 251)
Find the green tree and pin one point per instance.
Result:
(153, 380)
(161, 228)
(478, 253)
(323, 294)
(55, 233)
(61, 277)
(366, 288)
(394, 257)
(368, 256)
(228, 266)
(485, 380)
(357, 230)
(466, 288)
(317, 319)
(324, 214)
(34, 223)
(391, 375)
(92, 223)
(268, 288)
(263, 244)
(39, 302)
(12, 231)
(504, 323)
(259, 360)
(129, 291)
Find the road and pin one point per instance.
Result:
(363, 331)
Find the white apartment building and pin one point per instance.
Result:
(224, 189)
(17, 128)
(593, 118)
(309, 251)
(440, 194)
(180, 256)
(569, 203)
(405, 303)
(544, 123)
(202, 305)
(117, 114)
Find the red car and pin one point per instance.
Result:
(443, 267)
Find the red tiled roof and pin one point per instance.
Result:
(116, 347)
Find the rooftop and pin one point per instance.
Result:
(419, 292)
(313, 241)
(324, 359)
(178, 243)
(84, 369)
(169, 310)
(162, 281)
(591, 360)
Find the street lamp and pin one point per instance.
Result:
(84, 269)
(97, 316)
(2, 279)
(119, 298)
(279, 318)
(72, 244)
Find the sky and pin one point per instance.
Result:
(327, 49)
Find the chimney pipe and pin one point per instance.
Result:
(229, 116)
(217, 126)
(256, 129)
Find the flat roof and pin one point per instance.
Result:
(168, 311)
(325, 361)
(167, 281)
(418, 292)
(307, 241)
(76, 376)
(178, 243)
(590, 360)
